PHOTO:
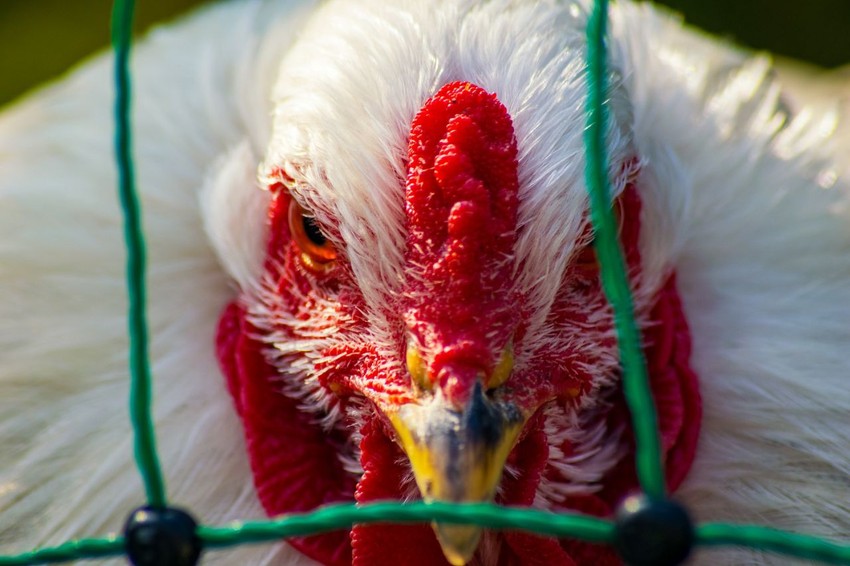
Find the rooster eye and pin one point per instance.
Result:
(317, 253)
(313, 233)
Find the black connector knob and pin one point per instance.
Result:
(161, 536)
(652, 532)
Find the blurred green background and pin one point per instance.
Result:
(39, 39)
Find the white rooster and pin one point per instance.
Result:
(371, 277)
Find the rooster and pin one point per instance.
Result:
(372, 277)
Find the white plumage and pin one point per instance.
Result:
(745, 193)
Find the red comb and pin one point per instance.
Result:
(461, 206)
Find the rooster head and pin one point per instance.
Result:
(429, 320)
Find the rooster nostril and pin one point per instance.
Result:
(504, 368)
(417, 369)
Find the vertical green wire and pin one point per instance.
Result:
(650, 469)
(140, 385)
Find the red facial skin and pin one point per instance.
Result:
(461, 309)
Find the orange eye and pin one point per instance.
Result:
(317, 253)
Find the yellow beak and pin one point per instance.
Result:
(458, 456)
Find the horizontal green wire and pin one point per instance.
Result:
(650, 470)
(82, 549)
(342, 516)
(334, 517)
(773, 540)
(140, 380)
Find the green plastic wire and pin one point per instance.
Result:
(650, 470)
(140, 382)
(82, 549)
(341, 516)
(773, 540)
(334, 517)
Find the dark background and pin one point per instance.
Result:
(39, 39)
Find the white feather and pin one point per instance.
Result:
(67, 467)
(231, 195)
(747, 201)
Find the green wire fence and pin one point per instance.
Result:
(615, 283)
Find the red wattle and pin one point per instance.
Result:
(675, 389)
(384, 544)
(295, 465)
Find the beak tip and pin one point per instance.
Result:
(459, 542)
